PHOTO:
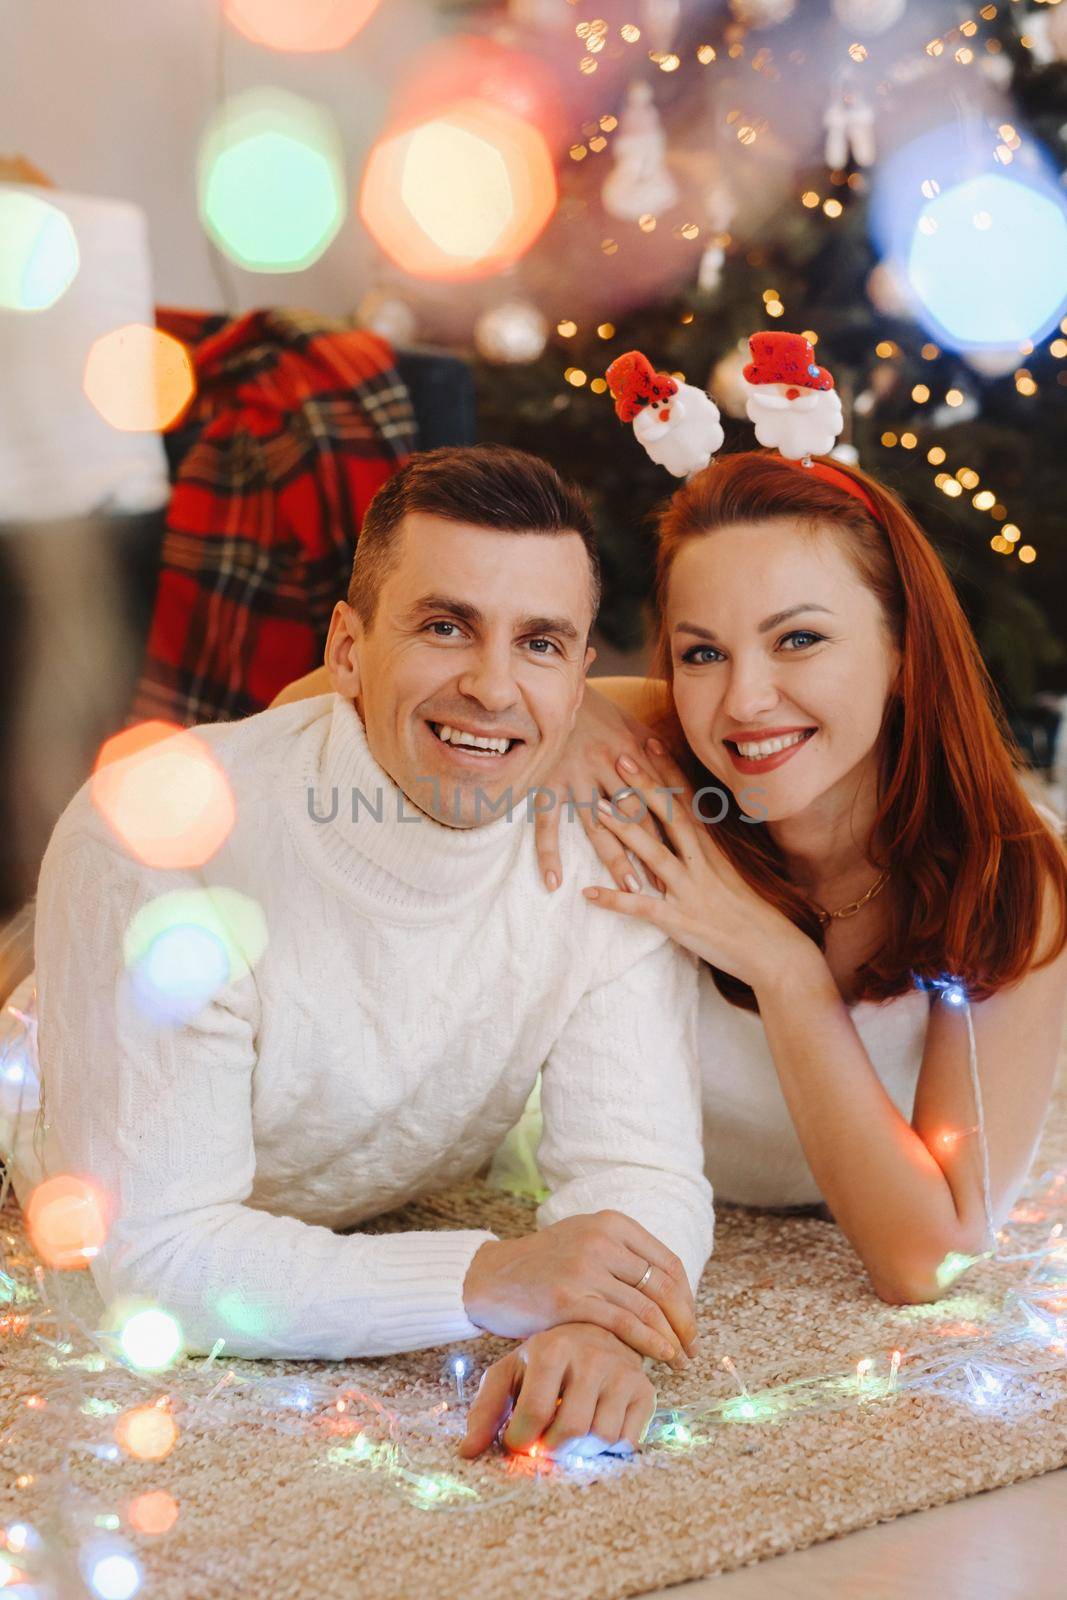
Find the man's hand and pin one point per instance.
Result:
(584, 1269)
(566, 1384)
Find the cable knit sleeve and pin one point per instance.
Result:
(160, 1118)
(620, 1096)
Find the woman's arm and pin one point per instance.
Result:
(305, 688)
(910, 1198)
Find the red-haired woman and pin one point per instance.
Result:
(849, 853)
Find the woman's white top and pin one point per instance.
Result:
(751, 1151)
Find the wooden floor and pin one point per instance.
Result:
(1004, 1545)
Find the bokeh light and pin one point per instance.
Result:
(67, 1220)
(39, 256)
(985, 251)
(182, 948)
(469, 67)
(163, 795)
(306, 26)
(460, 196)
(243, 1316)
(151, 1339)
(140, 379)
(993, 270)
(148, 1433)
(114, 1576)
(271, 181)
(183, 968)
(155, 1511)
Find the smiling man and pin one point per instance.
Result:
(414, 980)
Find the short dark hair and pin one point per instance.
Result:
(489, 485)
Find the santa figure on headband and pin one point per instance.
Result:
(791, 399)
(678, 424)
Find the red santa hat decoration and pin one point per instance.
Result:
(677, 423)
(790, 398)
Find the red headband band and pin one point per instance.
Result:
(839, 480)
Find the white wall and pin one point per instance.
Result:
(109, 97)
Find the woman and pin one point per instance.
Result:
(822, 700)
(846, 824)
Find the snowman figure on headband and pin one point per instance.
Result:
(791, 399)
(677, 423)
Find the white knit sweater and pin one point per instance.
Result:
(415, 979)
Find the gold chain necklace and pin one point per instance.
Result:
(826, 917)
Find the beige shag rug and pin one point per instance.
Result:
(279, 1493)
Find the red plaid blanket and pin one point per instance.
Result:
(297, 421)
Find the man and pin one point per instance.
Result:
(397, 977)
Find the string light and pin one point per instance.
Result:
(379, 1436)
(150, 1339)
(460, 1368)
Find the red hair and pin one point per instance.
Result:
(969, 856)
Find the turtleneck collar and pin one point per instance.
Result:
(362, 832)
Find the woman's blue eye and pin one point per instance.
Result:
(805, 636)
(803, 633)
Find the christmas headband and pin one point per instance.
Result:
(791, 399)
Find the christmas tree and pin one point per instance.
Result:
(742, 169)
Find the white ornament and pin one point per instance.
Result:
(683, 433)
(835, 121)
(640, 182)
(720, 207)
(861, 133)
(1047, 31)
(387, 314)
(846, 453)
(867, 17)
(849, 128)
(758, 14)
(946, 416)
(993, 363)
(997, 69)
(709, 272)
(727, 382)
(887, 290)
(659, 23)
(511, 334)
(795, 422)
